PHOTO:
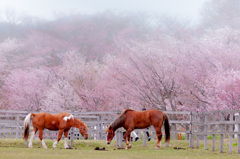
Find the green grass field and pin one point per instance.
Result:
(15, 149)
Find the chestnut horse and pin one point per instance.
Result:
(131, 119)
(62, 122)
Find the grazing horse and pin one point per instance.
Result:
(62, 122)
(131, 119)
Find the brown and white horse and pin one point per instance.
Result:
(62, 122)
(131, 119)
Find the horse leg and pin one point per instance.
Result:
(159, 137)
(41, 138)
(60, 132)
(31, 138)
(127, 138)
(66, 140)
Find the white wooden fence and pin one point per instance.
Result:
(192, 125)
(223, 123)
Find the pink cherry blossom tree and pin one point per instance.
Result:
(24, 89)
(222, 90)
(146, 76)
(84, 77)
(60, 96)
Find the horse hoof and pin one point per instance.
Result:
(157, 148)
(128, 147)
(30, 147)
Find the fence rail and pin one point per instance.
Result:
(195, 126)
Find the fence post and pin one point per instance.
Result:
(71, 137)
(145, 138)
(191, 134)
(205, 131)
(198, 131)
(221, 135)
(230, 133)
(213, 135)
(238, 135)
(117, 138)
(18, 127)
(100, 128)
(120, 138)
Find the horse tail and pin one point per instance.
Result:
(27, 121)
(166, 127)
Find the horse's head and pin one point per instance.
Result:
(83, 131)
(110, 134)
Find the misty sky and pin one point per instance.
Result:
(49, 9)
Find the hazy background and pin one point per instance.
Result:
(51, 9)
(95, 55)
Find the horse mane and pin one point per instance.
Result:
(119, 122)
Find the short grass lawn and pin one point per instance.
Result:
(85, 149)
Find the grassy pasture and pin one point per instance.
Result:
(84, 149)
